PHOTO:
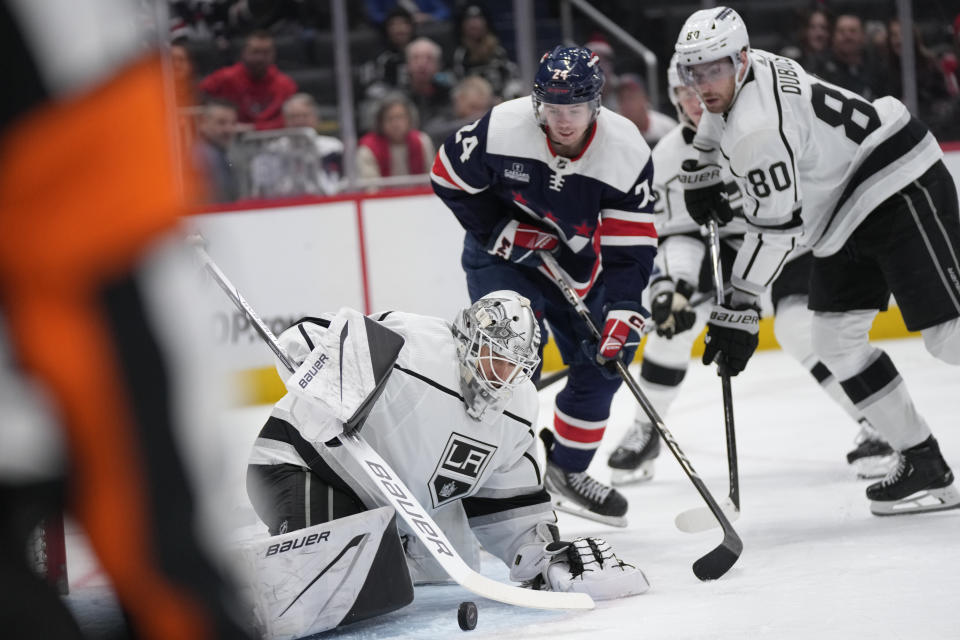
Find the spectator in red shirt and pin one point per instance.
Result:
(254, 84)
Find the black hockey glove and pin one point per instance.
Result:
(732, 335)
(704, 193)
(670, 307)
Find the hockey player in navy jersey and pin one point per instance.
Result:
(558, 172)
(454, 423)
(864, 185)
(683, 267)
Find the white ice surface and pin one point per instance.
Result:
(816, 563)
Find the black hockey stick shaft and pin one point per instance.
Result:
(714, 236)
(719, 560)
(557, 376)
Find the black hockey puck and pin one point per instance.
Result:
(467, 616)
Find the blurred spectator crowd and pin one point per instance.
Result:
(256, 89)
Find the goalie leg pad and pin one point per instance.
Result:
(321, 577)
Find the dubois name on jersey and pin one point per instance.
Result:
(502, 166)
(816, 158)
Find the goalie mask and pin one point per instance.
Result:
(498, 344)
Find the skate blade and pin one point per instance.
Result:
(623, 477)
(577, 510)
(872, 467)
(920, 502)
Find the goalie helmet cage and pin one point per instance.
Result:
(48, 552)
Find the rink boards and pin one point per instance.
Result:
(394, 250)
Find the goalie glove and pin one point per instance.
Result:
(670, 307)
(704, 193)
(732, 334)
(586, 565)
(519, 242)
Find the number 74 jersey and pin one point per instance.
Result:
(814, 159)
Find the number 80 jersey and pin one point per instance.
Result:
(814, 158)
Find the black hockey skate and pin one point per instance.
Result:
(581, 495)
(632, 460)
(921, 481)
(872, 457)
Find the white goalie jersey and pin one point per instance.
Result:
(813, 160)
(482, 476)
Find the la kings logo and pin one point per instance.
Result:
(460, 466)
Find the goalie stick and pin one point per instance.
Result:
(719, 560)
(699, 519)
(557, 376)
(396, 492)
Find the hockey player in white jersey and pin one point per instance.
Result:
(864, 185)
(683, 267)
(455, 423)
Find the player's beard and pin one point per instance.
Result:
(571, 149)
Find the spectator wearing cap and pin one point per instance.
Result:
(635, 107)
(382, 74)
(395, 147)
(607, 58)
(848, 66)
(480, 53)
(254, 83)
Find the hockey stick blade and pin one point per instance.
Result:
(700, 519)
(716, 563)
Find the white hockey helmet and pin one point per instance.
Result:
(498, 345)
(673, 83)
(708, 35)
